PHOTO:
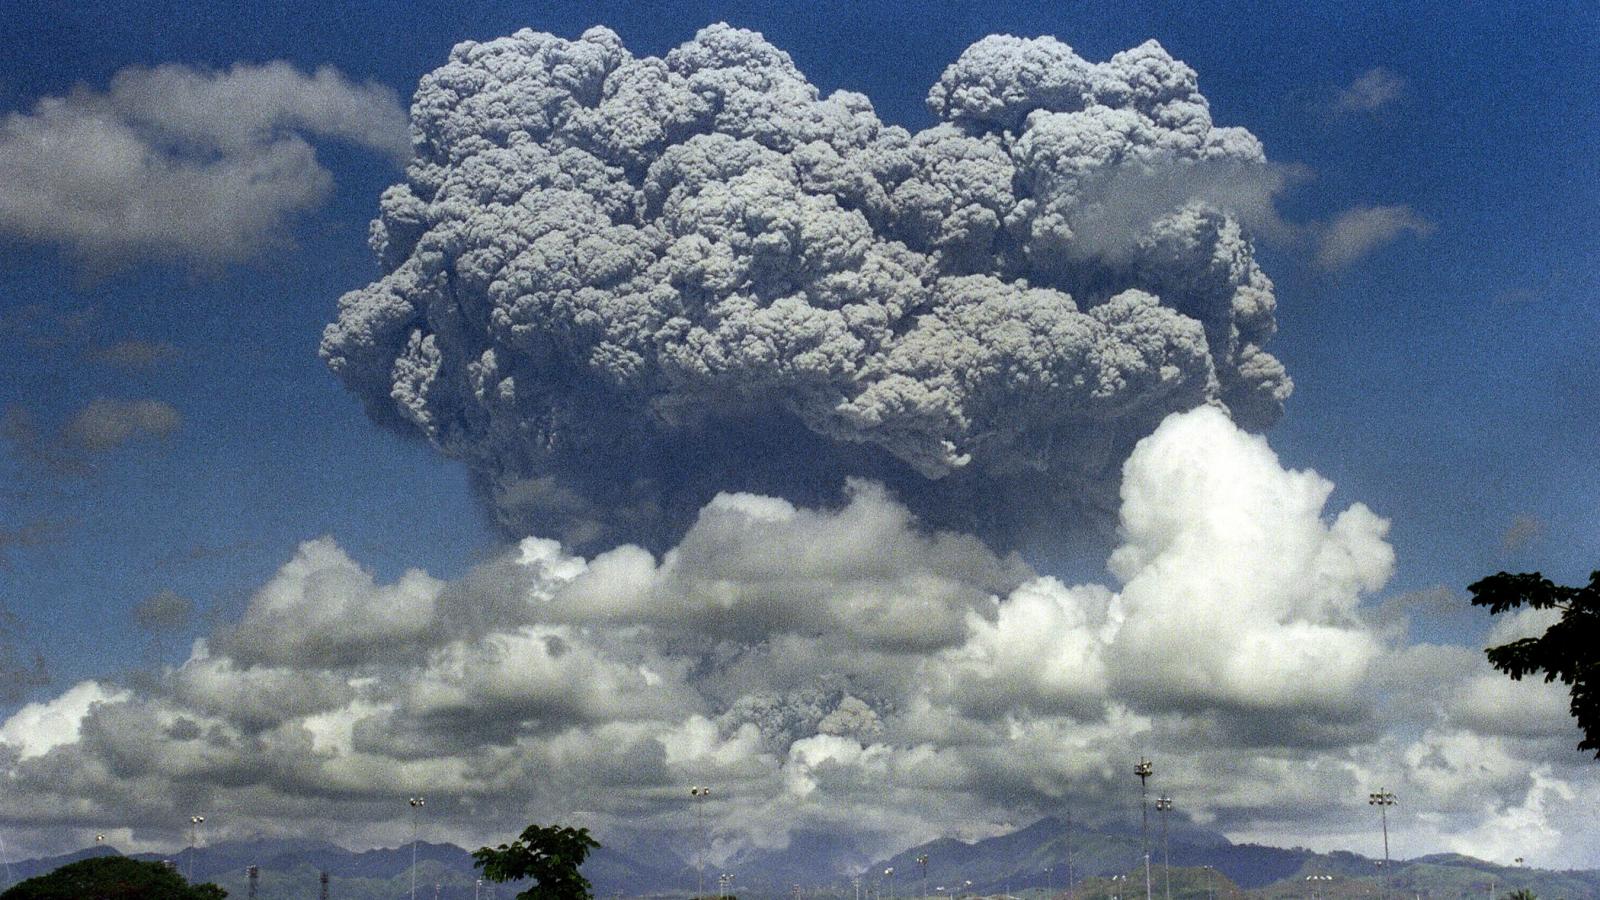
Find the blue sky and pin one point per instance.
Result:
(1441, 368)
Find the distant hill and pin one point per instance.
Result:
(1204, 864)
(1030, 863)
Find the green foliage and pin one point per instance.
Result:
(1568, 650)
(112, 878)
(549, 854)
(1520, 894)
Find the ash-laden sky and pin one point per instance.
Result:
(615, 286)
(896, 441)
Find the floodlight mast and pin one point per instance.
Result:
(699, 794)
(416, 812)
(1144, 770)
(194, 843)
(1383, 799)
(1164, 806)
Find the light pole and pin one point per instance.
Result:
(252, 876)
(888, 875)
(1211, 882)
(194, 843)
(1164, 806)
(699, 794)
(476, 887)
(922, 860)
(416, 824)
(1144, 770)
(1313, 880)
(1069, 854)
(1383, 799)
(1116, 887)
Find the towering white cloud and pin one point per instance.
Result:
(615, 286)
(846, 670)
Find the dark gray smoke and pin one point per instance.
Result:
(615, 285)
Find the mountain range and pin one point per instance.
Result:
(1031, 863)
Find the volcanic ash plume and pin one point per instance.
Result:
(614, 286)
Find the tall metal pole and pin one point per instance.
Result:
(922, 860)
(1164, 805)
(252, 876)
(1144, 770)
(9, 879)
(323, 892)
(1383, 799)
(1069, 854)
(416, 824)
(700, 794)
(194, 843)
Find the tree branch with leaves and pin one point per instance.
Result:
(1568, 650)
(548, 854)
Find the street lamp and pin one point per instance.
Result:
(1144, 770)
(888, 875)
(922, 860)
(416, 824)
(1117, 888)
(1314, 880)
(1164, 805)
(1383, 799)
(1211, 881)
(1067, 839)
(194, 842)
(700, 794)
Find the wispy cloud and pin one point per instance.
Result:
(21, 667)
(102, 426)
(38, 533)
(135, 355)
(1357, 232)
(185, 164)
(1523, 531)
(1373, 89)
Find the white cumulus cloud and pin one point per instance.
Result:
(172, 162)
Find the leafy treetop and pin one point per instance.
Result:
(112, 878)
(1568, 650)
(548, 854)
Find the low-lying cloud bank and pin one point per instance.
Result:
(844, 668)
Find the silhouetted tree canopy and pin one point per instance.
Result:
(112, 878)
(549, 854)
(1568, 650)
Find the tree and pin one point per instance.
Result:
(112, 878)
(1520, 894)
(549, 854)
(1568, 650)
